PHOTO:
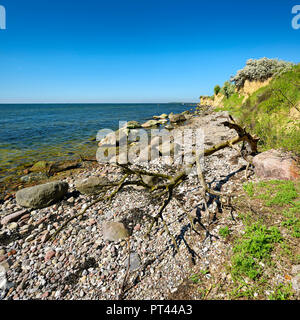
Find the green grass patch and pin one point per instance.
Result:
(281, 292)
(273, 192)
(224, 232)
(254, 246)
(292, 219)
(195, 278)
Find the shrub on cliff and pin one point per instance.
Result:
(217, 89)
(228, 89)
(260, 70)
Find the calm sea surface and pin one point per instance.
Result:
(32, 132)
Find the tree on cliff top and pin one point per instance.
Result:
(260, 70)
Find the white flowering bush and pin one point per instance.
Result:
(261, 69)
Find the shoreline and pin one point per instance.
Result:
(84, 263)
(10, 177)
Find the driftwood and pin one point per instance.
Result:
(165, 190)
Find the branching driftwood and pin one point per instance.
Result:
(165, 190)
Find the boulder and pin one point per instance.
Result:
(91, 185)
(174, 118)
(273, 164)
(133, 125)
(34, 176)
(40, 166)
(113, 138)
(43, 195)
(114, 231)
(150, 123)
(162, 116)
(169, 148)
(150, 180)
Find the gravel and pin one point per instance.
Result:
(80, 264)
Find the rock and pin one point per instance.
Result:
(150, 180)
(34, 176)
(169, 127)
(113, 139)
(169, 148)
(273, 164)
(43, 195)
(296, 269)
(135, 262)
(12, 226)
(162, 116)
(13, 217)
(3, 282)
(133, 125)
(49, 255)
(90, 185)
(163, 121)
(296, 283)
(114, 231)
(174, 118)
(150, 123)
(41, 166)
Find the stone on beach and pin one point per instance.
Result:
(162, 116)
(91, 185)
(34, 176)
(114, 231)
(174, 118)
(13, 217)
(43, 195)
(273, 164)
(40, 166)
(150, 123)
(133, 125)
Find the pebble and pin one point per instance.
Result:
(85, 265)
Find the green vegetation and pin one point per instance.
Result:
(228, 89)
(217, 89)
(268, 240)
(260, 70)
(292, 219)
(274, 192)
(272, 112)
(195, 278)
(253, 247)
(224, 232)
(282, 292)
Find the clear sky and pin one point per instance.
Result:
(136, 50)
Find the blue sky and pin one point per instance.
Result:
(136, 50)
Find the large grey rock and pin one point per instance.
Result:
(114, 231)
(42, 195)
(273, 164)
(174, 118)
(91, 185)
